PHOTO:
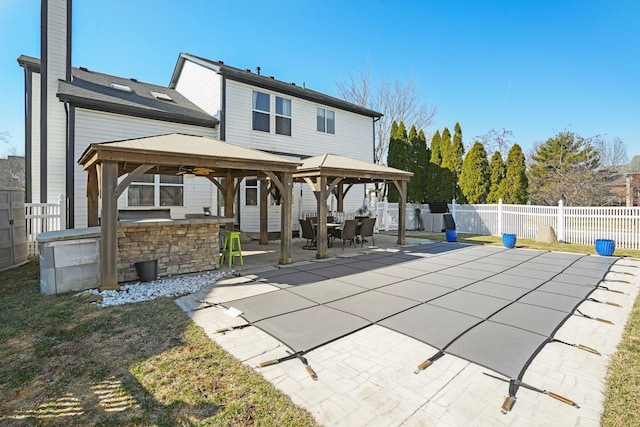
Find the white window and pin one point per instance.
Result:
(326, 121)
(156, 190)
(261, 105)
(283, 116)
(251, 192)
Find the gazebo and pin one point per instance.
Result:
(332, 174)
(172, 154)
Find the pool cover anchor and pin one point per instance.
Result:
(424, 365)
(614, 304)
(513, 389)
(578, 346)
(232, 328)
(296, 355)
(593, 318)
(610, 290)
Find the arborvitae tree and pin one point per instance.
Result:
(448, 180)
(457, 157)
(516, 184)
(399, 156)
(498, 173)
(436, 155)
(424, 158)
(418, 165)
(445, 149)
(475, 176)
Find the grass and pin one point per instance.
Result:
(67, 362)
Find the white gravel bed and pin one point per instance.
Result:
(165, 287)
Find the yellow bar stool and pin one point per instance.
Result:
(231, 247)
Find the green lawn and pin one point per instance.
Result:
(68, 362)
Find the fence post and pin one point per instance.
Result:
(453, 211)
(385, 213)
(500, 217)
(560, 225)
(62, 203)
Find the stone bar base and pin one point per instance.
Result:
(180, 246)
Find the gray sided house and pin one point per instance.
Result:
(68, 108)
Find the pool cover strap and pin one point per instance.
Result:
(609, 289)
(615, 304)
(424, 365)
(296, 355)
(594, 318)
(513, 389)
(578, 346)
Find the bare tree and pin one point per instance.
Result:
(11, 168)
(496, 140)
(612, 152)
(398, 102)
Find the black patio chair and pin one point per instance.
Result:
(347, 232)
(366, 230)
(307, 233)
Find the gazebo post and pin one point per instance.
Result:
(340, 196)
(264, 212)
(402, 211)
(321, 235)
(93, 193)
(109, 226)
(229, 195)
(286, 210)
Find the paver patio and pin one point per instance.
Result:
(366, 372)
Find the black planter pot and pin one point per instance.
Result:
(147, 270)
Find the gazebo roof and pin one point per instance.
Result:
(173, 152)
(352, 170)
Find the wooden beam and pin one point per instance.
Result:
(264, 212)
(321, 233)
(137, 173)
(109, 227)
(92, 197)
(311, 184)
(216, 183)
(229, 195)
(286, 217)
(340, 193)
(402, 211)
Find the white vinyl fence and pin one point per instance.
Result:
(42, 217)
(572, 224)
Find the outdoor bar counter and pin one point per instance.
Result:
(181, 246)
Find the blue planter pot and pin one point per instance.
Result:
(605, 247)
(452, 235)
(509, 240)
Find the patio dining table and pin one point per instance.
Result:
(330, 226)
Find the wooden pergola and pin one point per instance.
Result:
(224, 164)
(332, 174)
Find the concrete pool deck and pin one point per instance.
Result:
(367, 377)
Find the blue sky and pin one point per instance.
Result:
(532, 67)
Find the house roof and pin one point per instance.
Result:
(269, 83)
(171, 152)
(352, 170)
(93, 90)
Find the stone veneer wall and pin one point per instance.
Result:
(182, 246)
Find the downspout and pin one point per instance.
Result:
(44, 13)
(28, 141)
(69, 175)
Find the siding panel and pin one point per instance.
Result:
(353, 137)
(201, 86)
(95, 126)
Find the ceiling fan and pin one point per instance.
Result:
(190, 171)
